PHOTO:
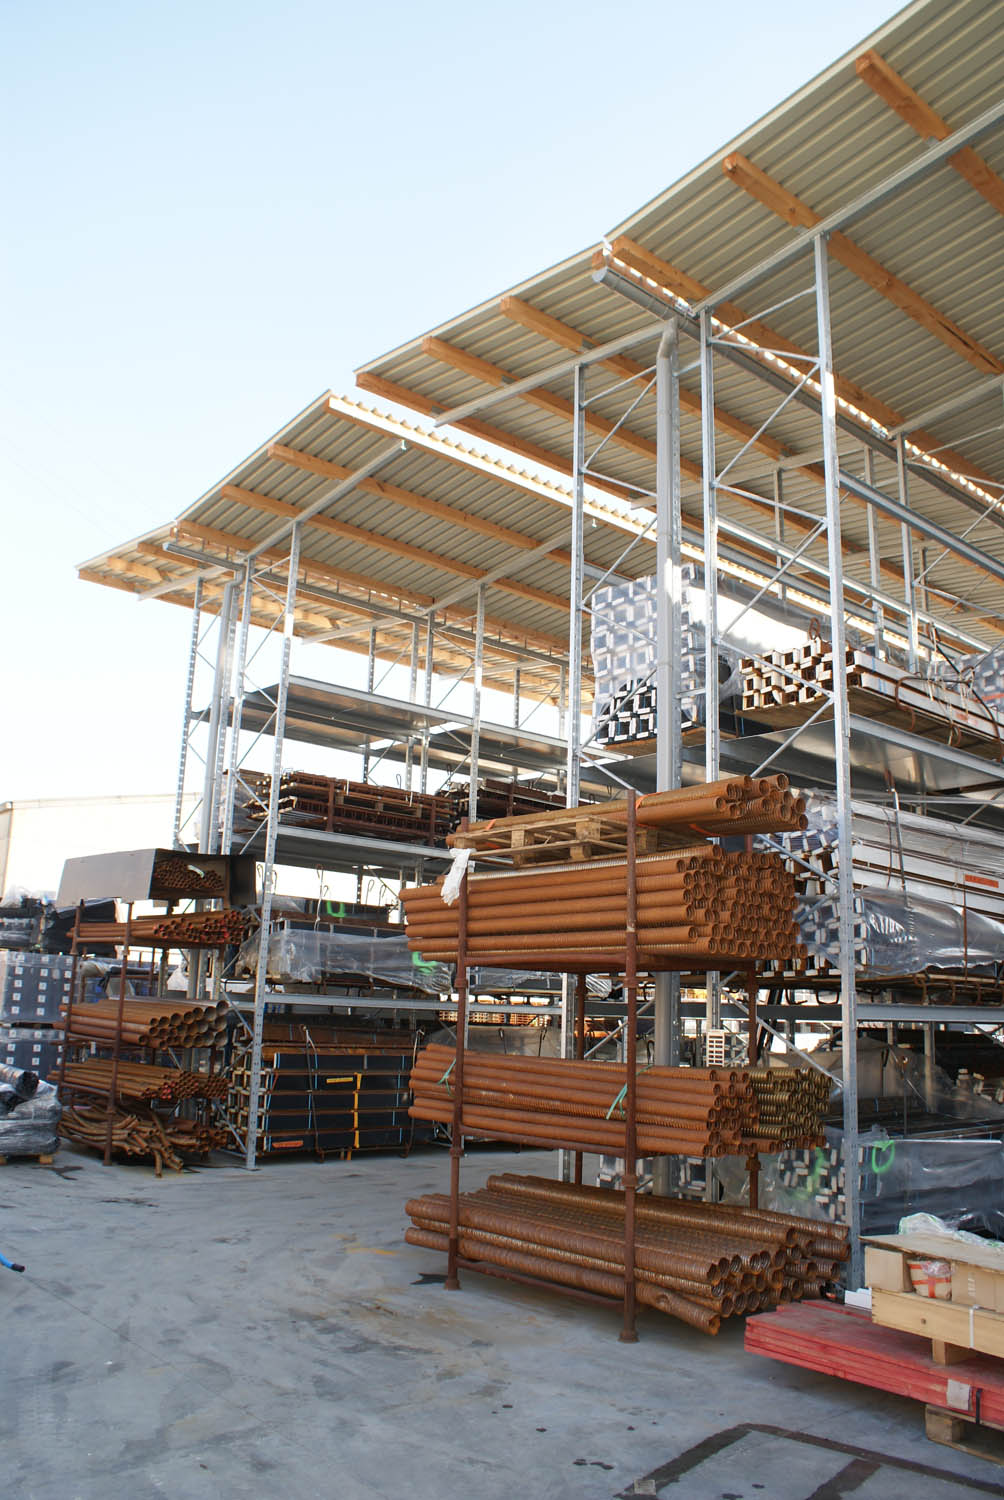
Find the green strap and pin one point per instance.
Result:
(617, 1101)
(446, 1076)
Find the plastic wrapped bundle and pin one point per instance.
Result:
(20, 1081)
(31, 1127)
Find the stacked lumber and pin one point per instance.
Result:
(696, 908)
(839, 1341)
(551, 1102)
(161, 1023)
(714, 809)
(695, 1261)
(141, 1081)
(195, 929)
(141, 1133)
(785, 688)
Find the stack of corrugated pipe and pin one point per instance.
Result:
(552, 1102)
(141, 1081)
(695, 1261)
(194, 929)
(151, 1023)
(791, 1103)
(143, 1135)
(698, 905)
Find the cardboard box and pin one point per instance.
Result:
(886, 1270)
(975, 1286)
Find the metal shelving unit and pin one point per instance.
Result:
(681, 376)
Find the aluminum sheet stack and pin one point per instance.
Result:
(694, 1261)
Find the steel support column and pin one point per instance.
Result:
(909, 584)
(268, 864)
(479, 672)
(841, 746)
(221, 683)
(186, 723)
(712, 730)
(669, 590)
(874, 556)
(237, 714)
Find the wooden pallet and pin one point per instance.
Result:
(964, 1433)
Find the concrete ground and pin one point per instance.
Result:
(222, 1334)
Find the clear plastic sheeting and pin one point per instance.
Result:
(961, 1181)
(899, 933)
(326, 956)
(980, 676)
(31, 1126)
(523, 981)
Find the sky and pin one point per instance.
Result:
(216, 211)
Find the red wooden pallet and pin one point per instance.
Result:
(844, 1342)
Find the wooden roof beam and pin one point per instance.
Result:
(544, 400)
(410, 500)
(883, 80)
(670, 278)
(622, 364)
(754, 181)
(390, 390)
(255, 500)
(322, 573)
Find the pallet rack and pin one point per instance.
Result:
(847, 491)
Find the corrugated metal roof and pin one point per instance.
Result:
(828, 143)
(435, 520)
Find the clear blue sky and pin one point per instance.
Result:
(215, 211)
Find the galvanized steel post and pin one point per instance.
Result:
(841, 745)
(268, 861)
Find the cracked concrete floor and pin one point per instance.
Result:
(223, 1334)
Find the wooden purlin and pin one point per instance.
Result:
(545, 400)
(422, 504)
(646, 264)
(458, 656)
(873, 70)
(438, 561)
(779, 200)
(402, 395)
(324, 573)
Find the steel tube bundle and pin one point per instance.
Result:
(697, 1262)
(581, 1105)
(722, 907)
(150, 1023)
(141, 1081)
(194, 929)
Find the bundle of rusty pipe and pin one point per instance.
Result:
(150, 1023)
(789, 1101)
(140, 1081)
(141, 1134)
(192, 929)
(540, 1101)
(182, 873)
(694, 1261)
(713, 809)
(697, 906)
